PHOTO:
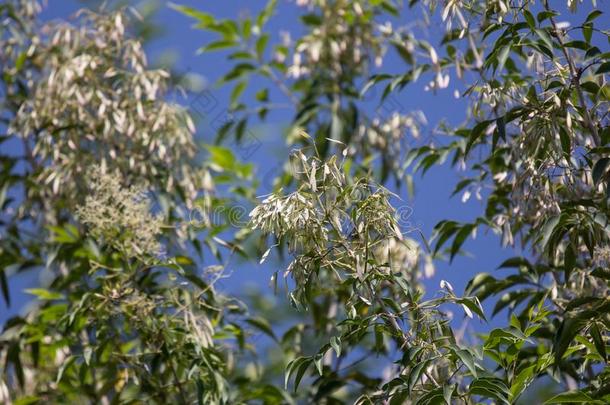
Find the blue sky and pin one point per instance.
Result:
(432, 201)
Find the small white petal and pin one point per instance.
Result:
(468, 311)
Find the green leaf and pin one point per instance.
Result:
(569, 261)
(601, 273)
(544, 36)
(264, 16)
(28, 400)
(570, 397)
(476, 133)
(593, 15)
(604, 68)
(204, 19)
(599, 169)
(508, 335)
(262, 95)
(13, 357)
(238, 70)
(237, 92)
(459, 239)
(474, 305)
(523, 379)
(443, 230)
(503, 57)
(66, 364)
(335, 343)
(43, 294)
(301, 371)
(598, 341)
(434, 397)
(372, 81)
(587, 32)
(467, 358)
(566, 142)
(416, 373)
(515, 262)
(565, 335)
(246, 28)
(529, 18)
(221, 157)
(548, 229)
(544, 15)
(68, 234)
(295, 365)
(318, 362)
(511, 298)
(217, 45)
(448, 390)
(261, 44)
(20, 60)
(490, 388)
(4, 288)
(87, 353)
(263, 325)
(312, 20)
(582, 45)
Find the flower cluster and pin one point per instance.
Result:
(404, 256)
(335, 45)
(120, 217)
(338, 227)
(95, 101)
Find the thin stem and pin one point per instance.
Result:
(282, 86)
(575, 79)
(178, 383)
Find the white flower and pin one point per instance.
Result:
(562, 25)
(429, 269)
(120, 217)
(4, 394)
(467, 311)
(386, 28)
(433, 56)
(446, 285)
(466, 196)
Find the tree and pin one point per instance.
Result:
(108, 171)
(92, 121)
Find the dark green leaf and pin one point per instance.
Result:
(570, 397)
(600, 345)
(599, 169)
(262, 325)
(4, 288)
(604, 68)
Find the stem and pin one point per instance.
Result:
(178, 383)
(575, 79)
(282, 86)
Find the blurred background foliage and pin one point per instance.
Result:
(106, 191)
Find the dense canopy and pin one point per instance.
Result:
(108, 192)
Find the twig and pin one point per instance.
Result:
(575, 79)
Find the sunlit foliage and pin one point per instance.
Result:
(100, 194)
